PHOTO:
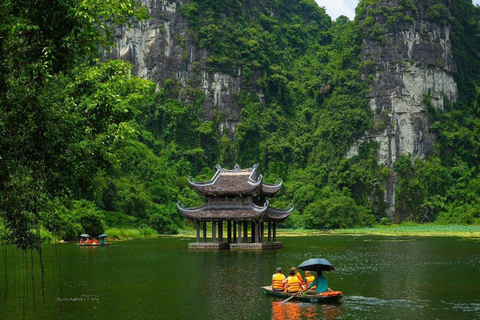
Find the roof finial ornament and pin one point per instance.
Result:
(237, 168)
(219, 167)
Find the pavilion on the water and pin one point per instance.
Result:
(237, 198)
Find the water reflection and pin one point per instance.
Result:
(295, 310)
(161, 279)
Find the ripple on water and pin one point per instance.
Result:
(373, 301)
(371, 304)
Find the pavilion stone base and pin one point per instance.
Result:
(256, 246)
(208, 246)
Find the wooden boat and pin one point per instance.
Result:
(326, 297)
(87, 241)
(93, 244)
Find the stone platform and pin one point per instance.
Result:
(235, 246)
(208, 246)
(256, 246)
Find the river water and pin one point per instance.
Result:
(381, 278)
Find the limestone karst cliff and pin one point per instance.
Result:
(162, 48)
(406, 50)
(409, 59)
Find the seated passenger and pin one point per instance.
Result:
(321, 282)
(292, 284)
(277, 280)
(299, 276)
(308, 280)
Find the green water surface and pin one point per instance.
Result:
(381, 278)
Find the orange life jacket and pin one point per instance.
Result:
(293, 284)
(309, 280)
(277, 280)
(299, 276)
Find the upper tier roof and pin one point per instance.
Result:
(234, 182)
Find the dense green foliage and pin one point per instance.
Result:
(308, 70)
(85, 146)
(446, 187)
(46, 150)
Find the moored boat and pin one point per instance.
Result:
(325, 297)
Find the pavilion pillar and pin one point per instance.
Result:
(229, 231)
(214, 231)
(234, 231)
(220, 231)
(197, 224)
(204, 231)
(245, 231)
(239, 238)
(269, 231)
(274, 231)
(262, 232)
(256, 233)
(252, 235)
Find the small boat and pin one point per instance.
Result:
(325, 297)
(94, 244)
(86, 241)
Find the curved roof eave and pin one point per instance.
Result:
(271, 189)
(278, 214)
(205, 210)
(210, 182)
(254, 183)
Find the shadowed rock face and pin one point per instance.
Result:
(161, 49)
(408, 62)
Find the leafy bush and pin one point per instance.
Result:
(333, 209)
(163, 224)
(89, 217)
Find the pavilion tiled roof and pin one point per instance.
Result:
(234, 182)
(229, 197)
(208, 211)
(248, 211)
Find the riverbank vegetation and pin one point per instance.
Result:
(86, 147)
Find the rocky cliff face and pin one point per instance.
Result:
(162, 48)
(408, 58)
(408, 62)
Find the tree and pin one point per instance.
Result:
(39, 40)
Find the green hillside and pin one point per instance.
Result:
(84, 145)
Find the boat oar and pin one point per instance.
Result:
(286, 300)
(291, 297)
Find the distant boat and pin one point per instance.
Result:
(325, 297)
(86, 241)
(93, 244)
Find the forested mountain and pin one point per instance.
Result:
(367, 121)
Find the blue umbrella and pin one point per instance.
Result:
(316, 265)
(102, 236)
